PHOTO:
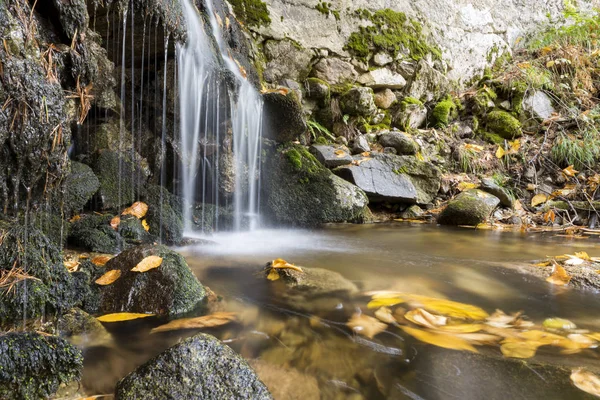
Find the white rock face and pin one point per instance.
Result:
(465, 30)
(382, 78)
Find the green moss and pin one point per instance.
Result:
(253, 13)
(503, 124)
(443, 112)
(295, 159)
(325, 9)
(491, 137)
(391, 32)
(411, 100)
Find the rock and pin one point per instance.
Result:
(286, 383)
(35, 365)
(80, 186)
(171, 221)
(82, 329)
(538, 104)
(382, 59)
(412, 212)
(409, 116)
(403, 143)
(358, 101)
(470, 208)
(382, 78)
(170, 289)
(200, 367)
(298, 190)
(93, 233)
(284, 120)
(490, 186)
(317, 88)
(314, 282)
(384, 99)
(425, 176)
(427, 84)
(361, 145)
(286, 60)
(334, 71)
(327, 155)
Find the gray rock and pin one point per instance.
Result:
(284, 120)
(286, 60)
(412, 212)
(390, 150)
(490, 186)
(384, 99)
(403, 143)
(470, 208)
(538, 104)
(361, 145)
(81, 184)
(316, 88)
(327, 155)
(315, 281)
(377, 119)
(382, 59)
(200, 367)
(334, 71)
(427, 84)
(409, 116)
(358, 101)
(382, 78)
(425, 176)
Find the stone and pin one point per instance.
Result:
(538, 104)
(412, 212)
(382, 78)
(384, 99)
(490, 186)
(317, 89)
(409, 116)
(286, 60)
(93, 232)
(470, 208)
(80, 186)
(427, 84)
(358, 101)
(334, 71)
(170, 289)
(327, 155)
(425, 176)
(82, 329)
(284, 117)
(382, 59)
(286, 383)
(403, 143)
(361, 145)
(199, 367)
(165, 221)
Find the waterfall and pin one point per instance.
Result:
(202, 124)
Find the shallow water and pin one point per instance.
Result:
(321, 357)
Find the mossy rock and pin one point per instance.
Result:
(82, 329)
(254, 13)
(443, 113)
(94, 233)
(32, 366)
(170, 289)
(503, 124)
(80, 186)
(285, 119)
(358, 101)
(469, 208)
(166, 221)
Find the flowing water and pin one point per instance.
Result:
(301, 344)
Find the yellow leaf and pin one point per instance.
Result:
(419, 156)
(524, 65)
(558, 323)
(444, 340)
(549, 216)
(118, 317)
(75, 218)
(376, 303)
(586, 381)
(340, 153)
(531, 187)
(115, 222)
(514, 146)
(538, 199)
(546, 50)
(282, 264)
(366, 154)
(273, 274)
(475, 147)
(461, 328)
(148, 263)
(206, 321)
(100, 260)
(421, 317)
(384, 314)
(550, 64)
(72, 265)
(447, 307)
(519, 349)
(543, 264)
(583, 255)
(145, 225)
(109, 277)
(559, 276)
(137, 209)
(570, 171)
(500, 152)
(366, 325)
(462, 186)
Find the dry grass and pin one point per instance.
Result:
(9, 278)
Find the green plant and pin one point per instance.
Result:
(468, 160)
(316, 130)
(580, 152)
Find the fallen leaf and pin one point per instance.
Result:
(273, 274)
(570, 171)
(461, 328)
(145, 225)
(475, 147)
(462, 186)
(549, 216)
(558, 323)
(421, 317)
(500, 320)
(109, 277)
(366, 154)
(206, 321)
(583, 255)
(500, 152)
(137, 209)
(366, 325)
(100, 260)
(148, 263)
(115, 222)
(384, 314)
(519, 349)
(340, 153)
(282, 264)
(118, 317)
(75, 218)
(71, 265)
(447, 341)
(538, 199)
(586, 381)
(439, 306)
(559, 276)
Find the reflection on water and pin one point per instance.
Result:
(307, 337)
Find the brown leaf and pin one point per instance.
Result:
(384, 314)
(148, 263)
(75, 218)
(101, 260)
(559, 276)
(137, 209)
(115, 222)
(109, 277)
(538, 199)
(570, 171)
(586, 381)
(72, 265)
(366, 325)
(206, 321)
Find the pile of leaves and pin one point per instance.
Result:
(563, 267)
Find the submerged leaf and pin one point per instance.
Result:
(421, 317)
(519, 349)
(148, 263)
(118, 317)
(366, 325)
(586, 381)
(206, 321)
(447, 341)
(558, 323)
(384, 314)
(559, 277)
(109, 277)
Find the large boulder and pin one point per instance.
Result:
(200, 367)
(94, 233)
(284, 120)
(470, 208)
(35, 365)
(169, 289)
(334, 71)
(358, 101)
(299, 191)
(80, 186)
(286, 60)
(402, 142)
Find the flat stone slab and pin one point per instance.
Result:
(327, 155)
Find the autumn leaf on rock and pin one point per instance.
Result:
(101, 260)
(137, 209)
(119, 317)
(384, 314)
(366, 325)
(115, 222)
(282, 264)
(148, 263)
(586, 381)
(340, 153)
(559, 277)
(109, 277)
(447, 341)
(72, 265)
(206, 321)
(538, 199)
(145, 225)
(273, 274)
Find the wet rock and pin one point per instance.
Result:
(169, 289)
(82, 329)
(34, 365)
(538, 105)
(409, 116)
(80, 186)
(402, 142)
(361, 145)
(132, 231)
(286, 383)
(412, 212)
(327, 155)
(358, 101)
(334, 71)
(317, 89)
(427, 84)
(94, 233)
(490, 186)
(425, 176)
(382, 78)
(384, 99)
(284, 117)
(470, 208)
(286, 60)
(299, 191)
(73, 16)
(200, 367)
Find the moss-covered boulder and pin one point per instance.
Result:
(470, 208)
(299, 191)
(32, 366)
(200, 367)
(164, 219)
(358, 101)
(284, 117)
(80, 186)
(503, 124)
(317, 89)
(169, 289)
(402, 142)
(443, 112)
(94, 233)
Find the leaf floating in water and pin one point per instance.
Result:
(366, 325)
(558, 323)
(115, 222)
(109, 277)
(100, 261)
(118, 317)
(148, 263)
(519, 349)
(447, 341)
(384, 314)
(559, 277)
(448, 307)
(145, 225)
(137, 209)
(586, 381)
(206, 321)
(421, 317)
(461, 328)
